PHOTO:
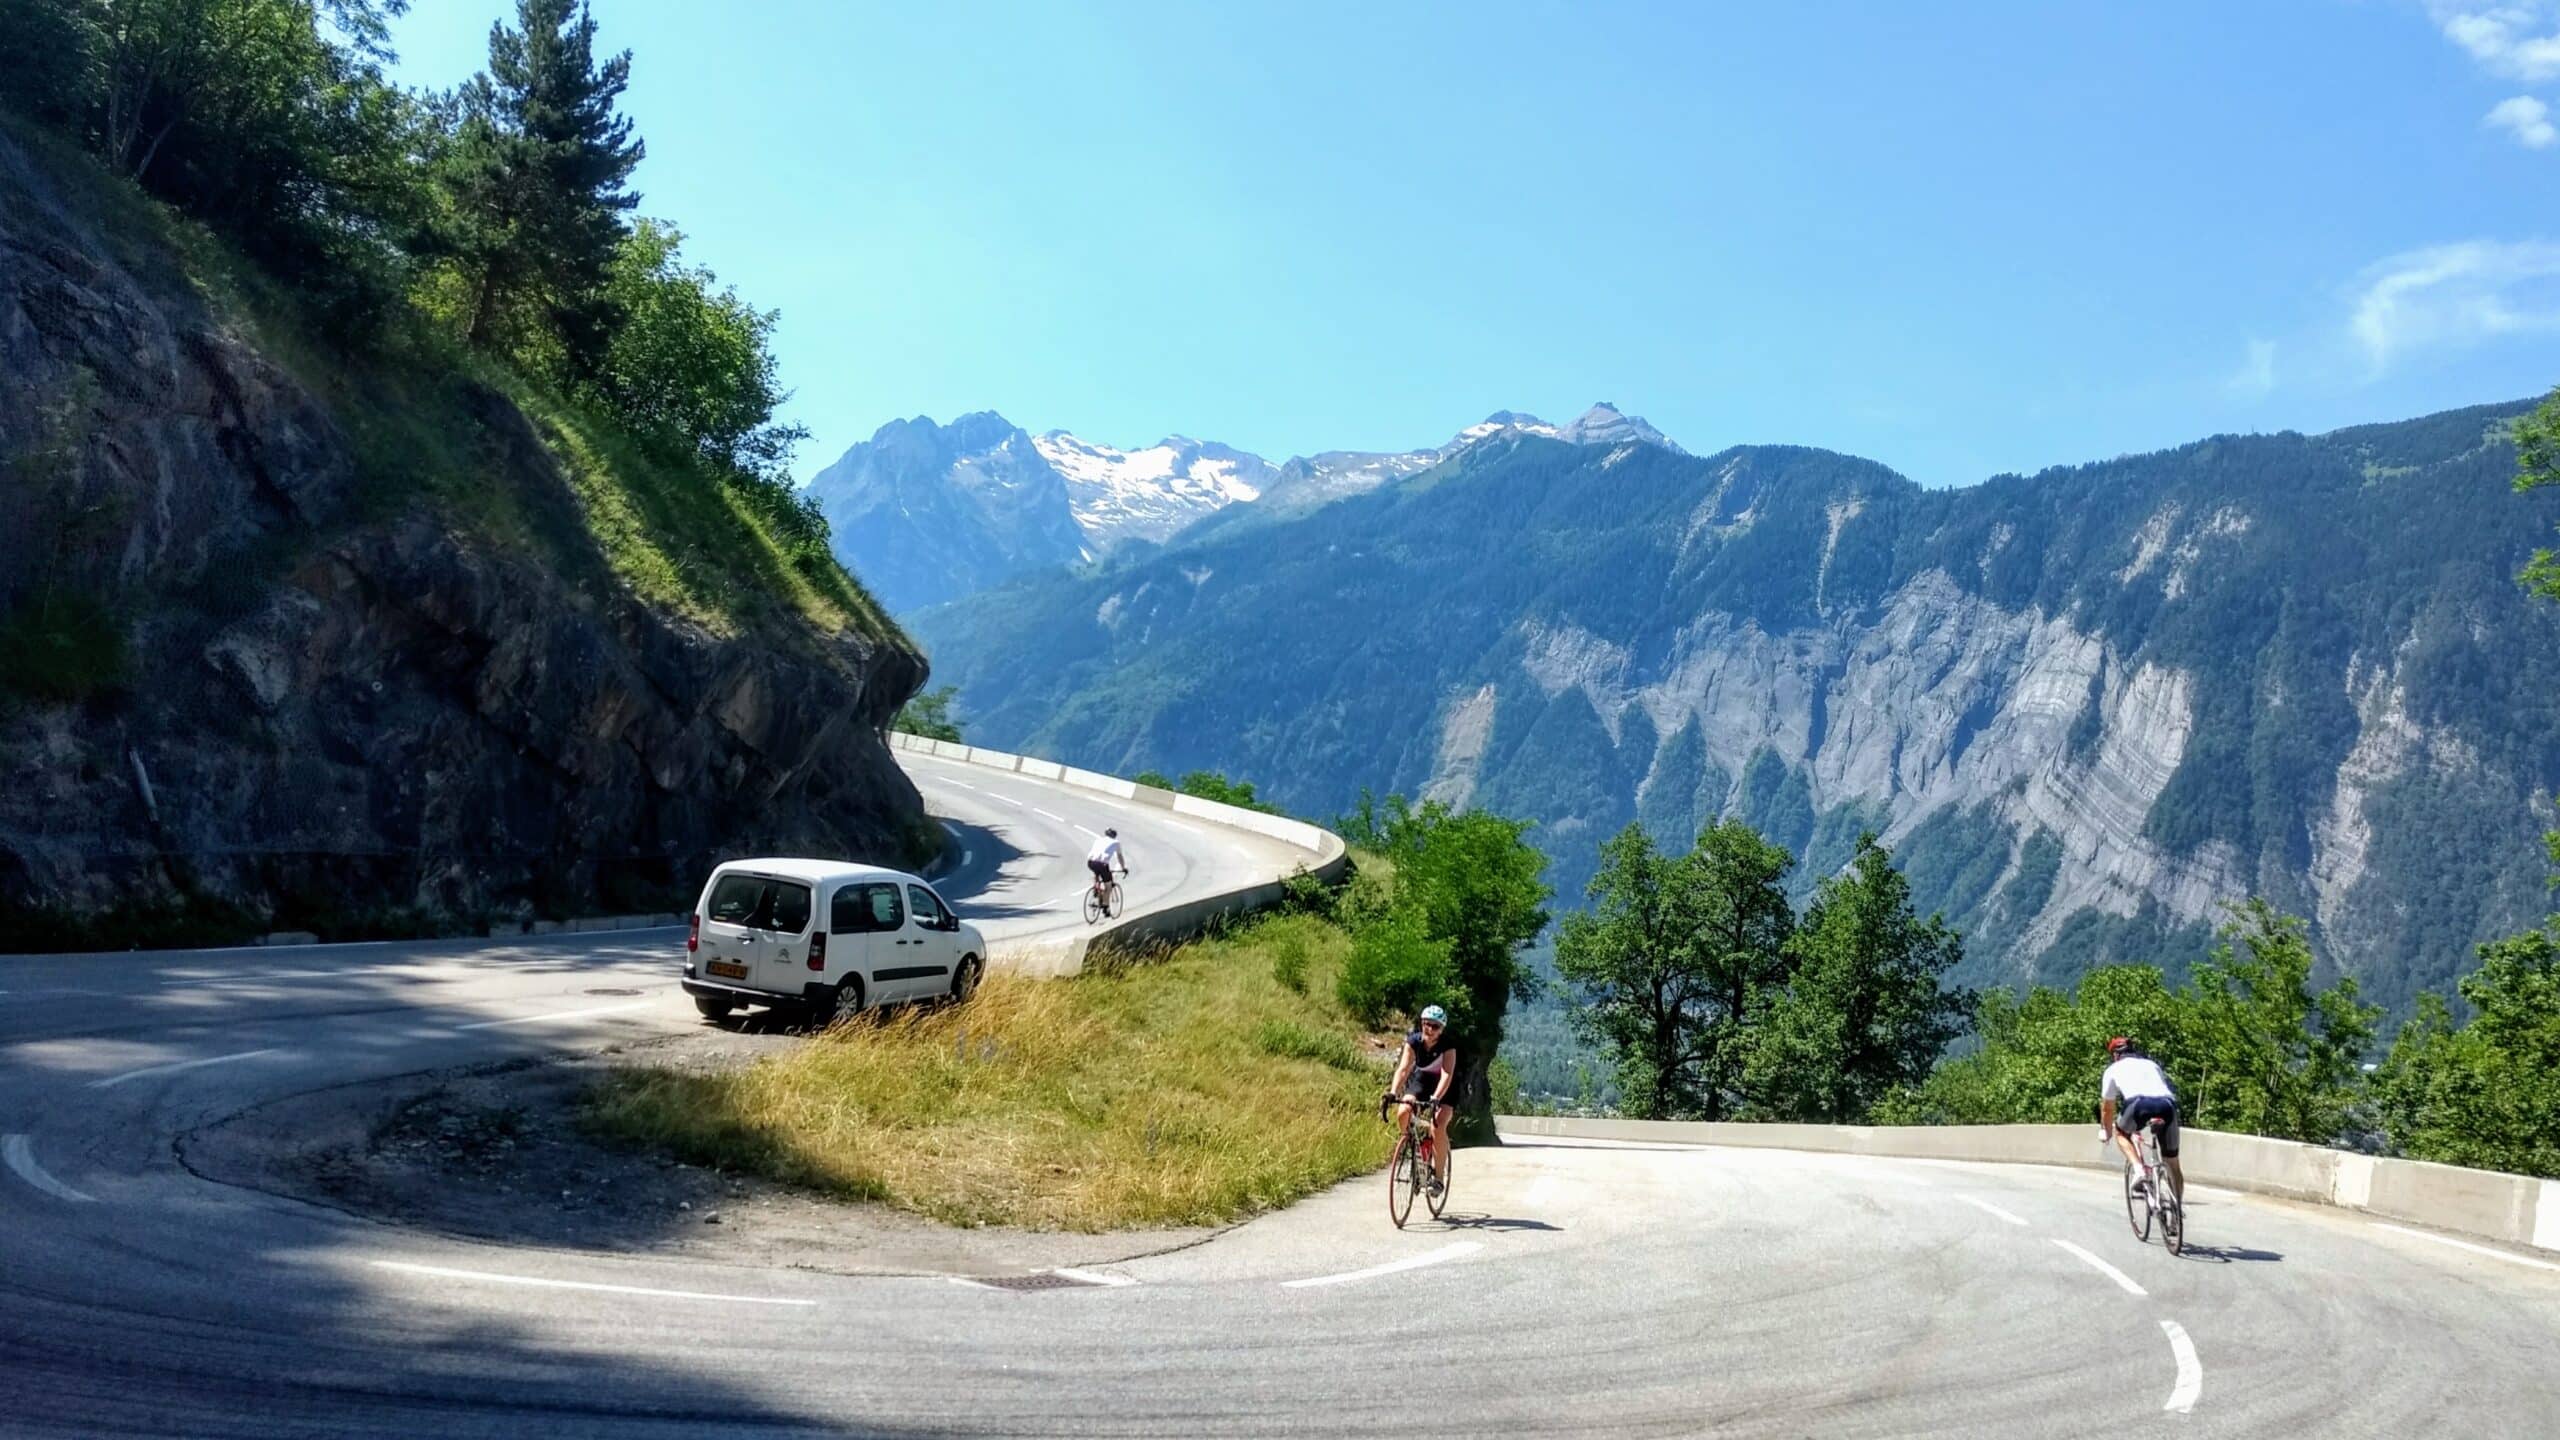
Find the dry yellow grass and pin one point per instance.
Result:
(1152, 1096)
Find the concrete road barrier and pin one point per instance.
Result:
(1053, 955)
(2516, 1210)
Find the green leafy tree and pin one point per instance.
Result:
(2040, 1055)
(2259, 1051)
(929, 714)
(1471, 881)
(2538, 464)
(536, 178)
(1669, 959)
(1395, 968)
(2483, 1093)
(1866, 1008)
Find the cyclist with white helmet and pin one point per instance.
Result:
(1424, 1075)
(1104, 855)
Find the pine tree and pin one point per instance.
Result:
(537, 178)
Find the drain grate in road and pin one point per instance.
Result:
(1047, 1280)
(608, 990)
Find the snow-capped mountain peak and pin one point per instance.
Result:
(1150, 493)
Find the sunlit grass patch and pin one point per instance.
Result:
(1144, 1097)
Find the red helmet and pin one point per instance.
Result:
(2118, 1046)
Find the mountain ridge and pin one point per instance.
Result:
(2090, 704)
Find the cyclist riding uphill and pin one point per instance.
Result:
(1106, 853)
(2131, 1095)
(1428, 1067)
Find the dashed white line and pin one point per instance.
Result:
(149, 1071)
(1092, 1277)
(557, 1015)
(20, 1153)
(2190, 1372)
(2493, 1254)
(1091, 834)
(2103, 1268)
(1048, 815)
(1410, 1262)
(487, 1277)
(1007, 800)
(1987, 1208)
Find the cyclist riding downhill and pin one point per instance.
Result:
(1105, 854)
(1424, 1074)
(2132, 1094)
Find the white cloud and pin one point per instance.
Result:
(2520, 39)
(2529, 118)
(2449, 296)
(2256, 375)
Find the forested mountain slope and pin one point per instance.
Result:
(2085, 706)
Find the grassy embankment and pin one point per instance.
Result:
(1222, 1080)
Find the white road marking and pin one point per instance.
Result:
(557, 1015)
(1061, 819)
(1092, 1277)
(492, 1278)
(1089, 834)
(2492, 1253)
(2103, 1268)
(2190, 1371)
(148, 1071)
(962, 784)
(20, 1153)
(1410, 1262)
(1987, 1208)
(1016, 804)
(965, 1280)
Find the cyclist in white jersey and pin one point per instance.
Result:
(1106, 854)
(2131, 1094)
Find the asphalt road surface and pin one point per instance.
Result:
(1574, 1287)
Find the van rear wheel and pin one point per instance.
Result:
(842, 1003)
(714, 1007)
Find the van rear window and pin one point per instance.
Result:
(760, 904)
(736, 899)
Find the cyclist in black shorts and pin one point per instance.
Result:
(2131, 1094)
(1424, 1074)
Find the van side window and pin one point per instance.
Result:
(866, 909)
(929, 911)
(736, 900)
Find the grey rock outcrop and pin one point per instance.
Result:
(341, 707)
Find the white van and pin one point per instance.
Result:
(825, 936)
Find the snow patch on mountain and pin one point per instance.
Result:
(1119, 495)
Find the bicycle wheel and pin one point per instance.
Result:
(2173, 1223)
(1440, 1198)
(1113, 907)
(2137, 1206)
(1402, 1181)
(1092, 907)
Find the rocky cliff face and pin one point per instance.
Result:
(338, 705)
(2085, 707)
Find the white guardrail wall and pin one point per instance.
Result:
(1325, 859)
(2510, 1209)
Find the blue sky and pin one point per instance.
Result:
(1959, 240)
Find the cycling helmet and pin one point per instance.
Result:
(2120, 1046)
(1112, 833)
(1434, 1015)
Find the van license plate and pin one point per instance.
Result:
(727, 969)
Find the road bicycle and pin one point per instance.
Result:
(1410, 1173)
(2148, 1195)
(1101, 902)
